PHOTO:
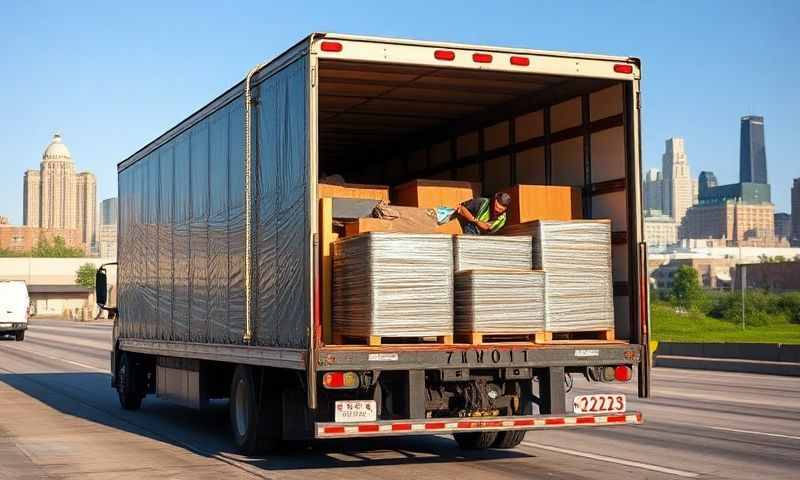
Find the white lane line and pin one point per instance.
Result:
(619, 461)
(59, 359)
(779, 435)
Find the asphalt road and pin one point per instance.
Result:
(59, 418)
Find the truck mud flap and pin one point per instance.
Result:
(456, 425)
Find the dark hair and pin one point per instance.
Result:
(503, 198)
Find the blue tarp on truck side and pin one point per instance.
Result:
(182, 225)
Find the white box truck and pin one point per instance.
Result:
(221, 291)
(14, 309)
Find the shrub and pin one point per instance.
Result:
(686, 289)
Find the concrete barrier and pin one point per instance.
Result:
(767, 358)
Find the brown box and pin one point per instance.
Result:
(353, 190)
(434, 193)
(543, 202)
(363, 225)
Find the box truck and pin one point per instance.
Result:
(222, 283)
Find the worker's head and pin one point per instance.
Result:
(501, 203)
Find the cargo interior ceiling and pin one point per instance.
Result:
(389, 123)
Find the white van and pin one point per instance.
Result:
(13, 308)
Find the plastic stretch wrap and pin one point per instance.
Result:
(393, 285)
(476, 252)
(182, 226)
(499, 301)
(576, 255)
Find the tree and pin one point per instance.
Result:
(85, 275)
(686, 289)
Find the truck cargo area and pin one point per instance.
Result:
(387, 124)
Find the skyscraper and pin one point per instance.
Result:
(108, 211)
(706, 182)
(56, 197)
(677, 186)
(653, 190)
(752, 154)
(796, 211)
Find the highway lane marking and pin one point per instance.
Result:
(736, 430)
(79, 364)
(619, 461)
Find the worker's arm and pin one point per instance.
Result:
(464, 213)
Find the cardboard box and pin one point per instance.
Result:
(363, 225)
(353, 190)
(434, 193)
(544, 202)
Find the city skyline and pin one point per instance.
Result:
(152, 92)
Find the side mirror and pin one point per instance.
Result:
(101, 287)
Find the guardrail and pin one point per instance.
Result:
(765, 358)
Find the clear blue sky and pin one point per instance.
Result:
(112, 76)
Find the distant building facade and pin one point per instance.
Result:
(677, 184)
(20, 239)
(108, 211)
(652, 186)
(752, 152)
(783, 225)
(56, 197)
(796, 211)
(713, 273)
(733, 220)
(660, 230)
(107, 231)
(776, 277)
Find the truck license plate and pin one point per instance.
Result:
(601, 403)
(355, 411)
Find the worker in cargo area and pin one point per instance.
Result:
(481, 216)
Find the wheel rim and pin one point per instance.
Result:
(242, 407)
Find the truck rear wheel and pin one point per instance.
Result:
(509, 439)
(130, 395)
(255, 421)
(20, 335)
(475, 440)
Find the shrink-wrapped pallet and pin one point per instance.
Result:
(393, 285)
(577, 258)
(480, 252)
(500, 301)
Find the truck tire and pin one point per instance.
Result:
(20, 335)
(255, 422)
(130, 395)
(509, 439)
(475, 440)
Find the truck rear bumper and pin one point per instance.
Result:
(457, 425)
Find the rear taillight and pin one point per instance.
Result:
(623, 68)
(340, 380)
(622, 373)
(481, 58)
(520, 61)
(608, 374)
(447, 55)
(331, 47)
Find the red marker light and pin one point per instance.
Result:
(623, 68)
(481, 58)
(622, 373)
(331, 47)
(444, 55)
(520, 61)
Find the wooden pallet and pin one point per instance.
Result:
(477, 338)
(590, 336)
(376, 341)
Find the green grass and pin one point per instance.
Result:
(671, 326)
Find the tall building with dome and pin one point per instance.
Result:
(56, 197)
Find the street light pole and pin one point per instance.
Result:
(744, 286)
